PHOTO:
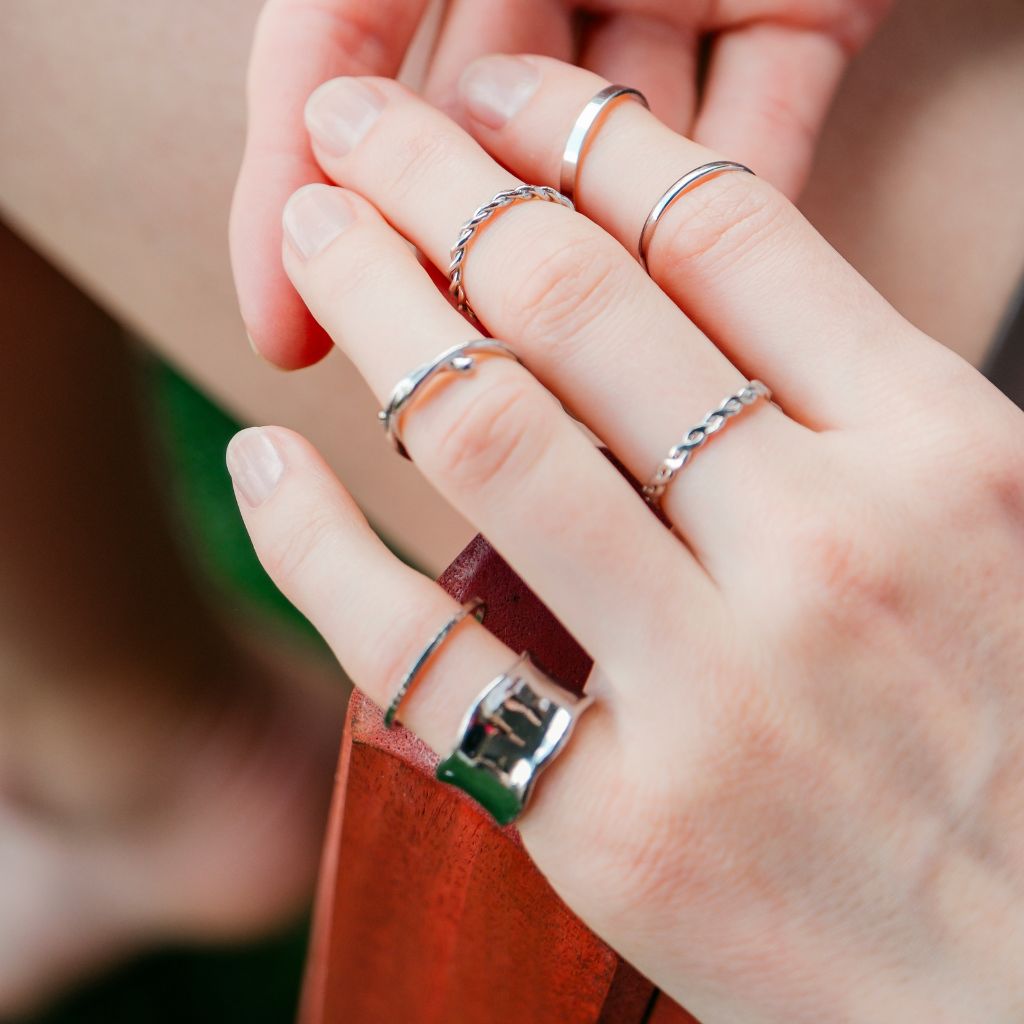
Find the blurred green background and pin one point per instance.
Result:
(257, 984)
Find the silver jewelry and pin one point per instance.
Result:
(504, 198)
(458, 359)
(686, 183)
(513, 731)
(583, 126)
(681, 454)
(476, 608)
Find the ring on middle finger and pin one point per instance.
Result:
(483, 213)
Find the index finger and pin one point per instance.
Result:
(298, 45)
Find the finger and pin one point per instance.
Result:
(493, 442)
(377, 615)
(473, 28)
(768, 90)
(562, 292)
(651, 54)
(733, 253)
(298, 45)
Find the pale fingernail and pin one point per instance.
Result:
(255, 465)
(494, 89)
(314, 217)
(340, 112)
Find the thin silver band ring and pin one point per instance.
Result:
(686, 183)
(504, 198)
(477, 609)
(457, 359)
(583, 126)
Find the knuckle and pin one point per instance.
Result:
(500, 432)
(420, 155)
(564, 292)
(306, 548)
(725, 218)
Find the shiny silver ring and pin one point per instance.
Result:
(583, 126)
(504, 198)
(686, 183)
(681, 453)
(513, 731)
(458, 359)
(476, 608)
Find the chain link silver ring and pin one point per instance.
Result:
(594, 112)
(468, 230)
(679, 455)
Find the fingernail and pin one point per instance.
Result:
(340, 112)
(255, 465)
(314, 217)
(495, 89)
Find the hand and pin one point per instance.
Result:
(798, 795)
(774, 67)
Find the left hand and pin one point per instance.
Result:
(774, 68)
(798, 796)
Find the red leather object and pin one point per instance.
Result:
(427, 912)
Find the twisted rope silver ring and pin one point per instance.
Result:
(687, 183)
(504, 198)
(681, 453)
(476, 608)
(458, 359)
(584, 125)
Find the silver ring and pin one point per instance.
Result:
(504, 198)
(686, 183)
(513, 731)
(583, 126)
(681, 453)
(476, 608)
(457, 359)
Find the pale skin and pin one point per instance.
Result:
(797, 797)
(145, 166)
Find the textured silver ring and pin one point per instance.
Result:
(583, 126)
(696, 436)
(476, 608)
(468, 230)
(457, 359)
(513, 731)
(686, 183)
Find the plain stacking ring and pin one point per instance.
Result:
(504, 198)
(584, 125)
(681, 454)
(513, 731)
(686, 183)
(458, 359)
(477, 609)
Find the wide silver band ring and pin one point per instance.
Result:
(476, 608)
(687, 183)
(468, 230)
(513, 731)
(579, 135)
(680, 454)
(457, 359)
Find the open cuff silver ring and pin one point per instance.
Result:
(458, 359)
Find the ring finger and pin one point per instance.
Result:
(587, 321)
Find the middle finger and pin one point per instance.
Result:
(587, 321)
